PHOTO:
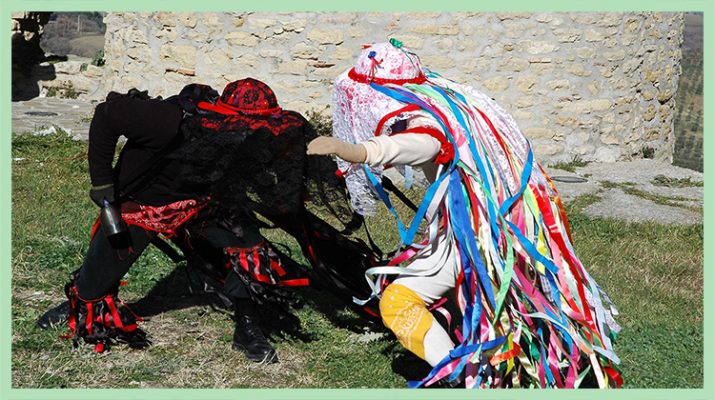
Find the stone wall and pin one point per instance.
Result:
(594, 86)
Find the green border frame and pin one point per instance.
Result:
(7, 6)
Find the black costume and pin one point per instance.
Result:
(201, 171)
(146, 183)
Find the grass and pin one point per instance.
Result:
(67, 92)
(571, 166)
(662, 180)
(672, 201)
(652, 272)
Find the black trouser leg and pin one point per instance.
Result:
(106, 263)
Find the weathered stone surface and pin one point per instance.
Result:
(217, 57)
(664, 95)
(567, 35)
(548, 149)
(438, 63)
(430, 29)
(326, 36)
(295, 25)
(139, 53)
(188, 20)
(581, 81)
(558, 84)
(526, 83)
(257, 23)
(608, 154)
(69, 67)
(302, 50)
(589, 106)
(240, 38)
(610, 139)
(525, 101)
(593, 35)
(538, 133)
(513, 64)
(93, 71)
(496, 84)
(537, 46)
(293, 67)
(181, 54)
(212, 20)
(165, 18)
(586, 52)
(578, 70)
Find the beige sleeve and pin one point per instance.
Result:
(401, 149)
(422, 120)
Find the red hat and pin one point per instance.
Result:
(245, 96)
(249, 104)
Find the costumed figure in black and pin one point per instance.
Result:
(200, 169)
(147, 189)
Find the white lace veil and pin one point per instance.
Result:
(358, 108)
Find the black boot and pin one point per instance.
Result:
(248, 337)
(54, 316)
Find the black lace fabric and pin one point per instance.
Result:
(261, 168)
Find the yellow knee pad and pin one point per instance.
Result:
(405, 314)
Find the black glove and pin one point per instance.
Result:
(99, 193)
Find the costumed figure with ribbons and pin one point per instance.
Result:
(496, 233)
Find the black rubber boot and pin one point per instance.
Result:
(54, 316)
(248, 337)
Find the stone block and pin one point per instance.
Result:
(302, 50)
(93, 71)
(578, 70)
(664, 95)
(183, 55)
(240, 38)
(586, 52)
(558, 84)
(212, 20)
(592, 35)
(513, 64)
(526, 83)
(217, 57)
(343, 53)
(537, 46)
(68, 67)
(139, 53)
(438, 63)
(567, 35)
(293, 67)
(326, 36)
(538, 133)
(525, 101)
(166, 18)
(496, 84)
(548, 149)
(188, 20)
(544, 17)
(295, 25)
(610, 139)
(434, 29)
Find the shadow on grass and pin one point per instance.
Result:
(182, 288)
